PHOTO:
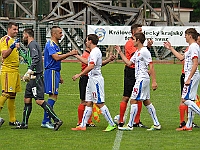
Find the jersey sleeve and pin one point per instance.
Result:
(34, 55)
(51, 48)
(147, 56)
(4, 44)
(93, 58)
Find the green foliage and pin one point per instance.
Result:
(165, 99)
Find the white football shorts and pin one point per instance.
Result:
(95, 90)
(190, 92)
(141, 89)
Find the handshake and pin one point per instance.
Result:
(28, 76)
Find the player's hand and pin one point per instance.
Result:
(187, 83)
(61, 81)
(118, 49)
(76, 76)
(167, 45)
(112, 57)
(154, 86)
(28, 75)
(149, 42)
(13, 45)
(74, 52)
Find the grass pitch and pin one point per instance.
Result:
(165, 99)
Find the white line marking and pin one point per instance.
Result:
(119, 133)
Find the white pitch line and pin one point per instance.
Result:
(119, 133)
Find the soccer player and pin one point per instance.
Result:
(191, 80)
(129, 78)
(35, 86)
(95, 85)
(83, 83)
(52, 65)
(141, 90)
(182, 107)
(10, 77)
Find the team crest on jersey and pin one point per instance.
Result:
(100, 32)
(138, 54)
(11, 88)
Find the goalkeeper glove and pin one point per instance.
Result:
(12, 46)
(28, 75)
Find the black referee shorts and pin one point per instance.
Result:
(82, 86)
(129, 81)
(182, 78)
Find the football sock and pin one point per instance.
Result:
(86, 115)
(90, 119)
(192, 106)
(11, 108)
(190, 118)
(26, 113)
(152, 112)
(50, 111)
(81, 109)
(133, 113)
(3, 98)
(51, 102)
(123, 106)
(182, 110)
(107, 115)
(137, 117)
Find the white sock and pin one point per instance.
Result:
(152, 112)
(133, 112)
(190, 118)
(86, 115)
(107, 115)
(192, 106)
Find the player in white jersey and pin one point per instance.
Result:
(95, 85)
(141, 90)
(192, 76)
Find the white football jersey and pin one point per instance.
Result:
(141, 59)
(96, 58)
(193, 51)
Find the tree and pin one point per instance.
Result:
(195, 4)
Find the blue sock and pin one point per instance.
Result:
(46, 116)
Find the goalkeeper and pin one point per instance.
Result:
(35, 86)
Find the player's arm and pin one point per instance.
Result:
(177, 54)
(85, 71)
(82, 59)
(128, 62)
(153, 75)
(7, 52)
(58, 57)
(34, 55)
(111, 58)
(193, 70)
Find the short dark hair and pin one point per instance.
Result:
(193, 32)
(29, 31)
(198, 34)
(54, 27)
(10, 24)
(140, 36)
(135, 26)
(94, 38)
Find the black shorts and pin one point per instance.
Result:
(35, 88)
(82, 86)
(129, 81)
(182, 77)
